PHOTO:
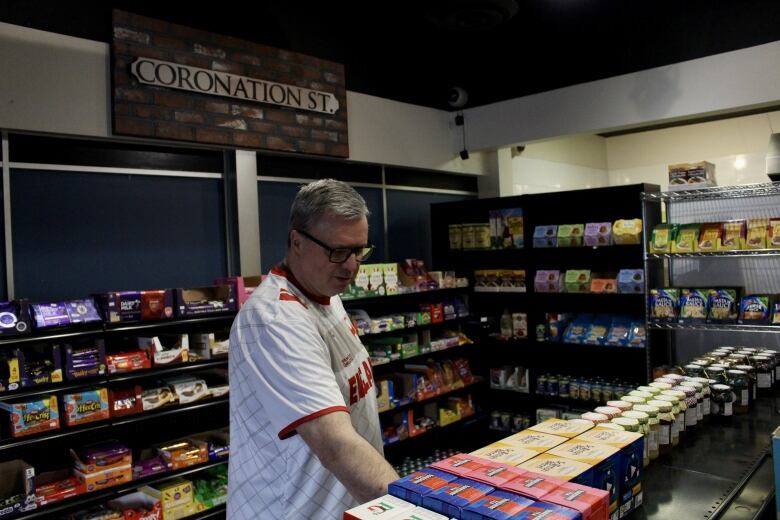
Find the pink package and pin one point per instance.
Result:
(495, 474)
(461, 464)
(590, 502)
(533, 485)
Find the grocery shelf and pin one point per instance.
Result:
(741, 253)
(714, 193)
(729, 327)
(51, 388)
(104, 495)
(159, 371)
(394, 298)
(13, 443)
(219, 511)
(476, 383)
(465, 421)
(163, 324)
(53, 335)
(406, 330)
(401, 361)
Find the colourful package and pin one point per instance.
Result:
(495, 474)
(559, 468)
(498, 505)
(664, 305)
(687, 239)
(453, 497)
(570, 235)
(545, 236)
(619, 332)
(562, 427)
(415, 486)
(598, 234)
(756, 233)
(506, 453)
(533, 485)
(662, 237)
(548, 512)
(30, 417)
(733, 235)
(638, 335)
(693, 305)
(773, 234)
(626, 232)
(590, 502)
(577, 330)
(631, 281)
(547, 281)
(754, 309)
(383, 507)
(460, 464)
(86, 406)
(605, 462)
(536, 441)
(710, 237)
(723, 306)
(577, 280)
(776, 312)
(597, 331)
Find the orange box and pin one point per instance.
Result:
(184, 453)
(105, 479)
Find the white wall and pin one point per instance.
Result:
(60, 84)
(713, 85)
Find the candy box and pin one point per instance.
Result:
(562, 428)
(558, 468)
(570, 235)
(577, 281)
(149, 463)
(16, 488)
(499, 505)
(104, 478)
(188, 389)
(166, 349)
(212, 490)
(39, 365)
(123, 306)
(757, 229)
(125, 401)
(547, 511)
(536, 441)
(505, 453)
(598, 234)
(385, 507)
(128, 361)
(417, 485)
(172, 493)
(453, 497)
(218, 443)
(591, 503)
(60, 314)
(208, 346)
(183, 453)
(545, 236)
(85, 406)
(625, 232)
(693, 305)
(631, 281)
(547, 281)
(461, 464)
(243, 286)
(10, 371)
(495, 474)
(101, 456)
(14, 318)
(31, 417)
(199, 301)
(723, 306)
(138, 506)
(85, 359)
(533, 485)
(601, 284)
(733, 235)
(710, 237)
(687, 239)
(54, 486)
(664, 305)
(662, 237)
(754, 309)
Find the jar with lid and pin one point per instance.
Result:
(644, 395)
(705, 389)
(623, 406)
(693, 370)
(585, 393)
(722, 401)
(676, 378)
(740, 384)
(594, 417)
(691, 415)
(776, 360)
(661, 385)
(634, 400)
(628, 424)
(574, 388)
(563, 386)
(607, 392)
(717, 373)
(595, 391)
(737, 359)
(665, 425)
(649, 389)
(541, 385)
(644, 429)
(681, 408)
(699, 396)
(552, 385)
(609, 411)
(752, 380)
(764, 374)
(653, 425)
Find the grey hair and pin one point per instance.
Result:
(325, 197)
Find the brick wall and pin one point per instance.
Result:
(151, 111)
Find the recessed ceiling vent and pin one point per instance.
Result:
(471, 15)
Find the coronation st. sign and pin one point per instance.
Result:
(204, 81)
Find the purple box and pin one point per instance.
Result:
(86, 360)
(60, 314)
(136, 305)
(453, 497)
(499, 505)
(14, 318)
(198, 301)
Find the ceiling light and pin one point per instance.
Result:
(740, 162)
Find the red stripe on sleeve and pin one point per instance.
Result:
(289, 430)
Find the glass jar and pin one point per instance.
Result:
(609, 411)
(752, 381)
(541, 385)
(585, 393)
(661, 385)
(699, 396)
(595, 418)
(705, 389)
(649, 389)
(665, 425)
(574, 389)
(563, 386)
(634, 400)
(653, 426)
(764, 374)
(644, 395)
(607, 392)
(628, 424)
(740, 385)
(675, 378)
(681, 409)
(644, 429)
(691, 403)
(623, 406)
(722, 401)
(717, 373)
(775, 355)
(552, 385)
(694, 370)
(737, 359)
(595, 391)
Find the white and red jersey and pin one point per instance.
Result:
(293, 357)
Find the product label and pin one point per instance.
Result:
(664, 437)
(777, 372)
(653, 440)
(706, 406)
(727, 409)
(690, 417)
(699, 411)
(745, 397)
(764, 380)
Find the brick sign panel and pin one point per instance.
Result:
(175, 82)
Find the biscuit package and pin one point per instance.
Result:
(773, 234)
(754, 309)
(546, 236)
(664, 305)
(662, 238)
(628, 231)
(756, 233)
(693, 305)
(687, 240)
(598, 234)
(710, 237)
(570, 235)
(776, 311)
(722, 305)
(733, 236)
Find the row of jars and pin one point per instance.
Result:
(581, 388)
(663, 411)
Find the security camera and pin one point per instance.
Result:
(457, 97)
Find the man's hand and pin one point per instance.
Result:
(357, 465)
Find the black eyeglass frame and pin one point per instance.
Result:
(362, 253)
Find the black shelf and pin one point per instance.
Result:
(124, 328)
(69, 431)
(621, 303)
(402, 361)
(219, 511)
(471, 386)
(402, 298)
(52, 388)
(53, 335)
(466, 421)
(416, 328)
(742, 253)
(221, 362)
(94, 497)
(727, 327)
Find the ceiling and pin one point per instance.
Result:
(416, 51)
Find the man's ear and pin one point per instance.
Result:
(293, 240)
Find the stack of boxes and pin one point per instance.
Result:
(556, 470)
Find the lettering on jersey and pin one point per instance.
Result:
(361, 383)
(347, 360)
(285, 295)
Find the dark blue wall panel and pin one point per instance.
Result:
(275, 199)
(79, 233)
(409, 223)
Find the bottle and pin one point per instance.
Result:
(506, 325)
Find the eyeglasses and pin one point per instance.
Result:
(339, 255)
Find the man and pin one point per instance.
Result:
(305, 439)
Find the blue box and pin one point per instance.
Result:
(548, 512)
(498, 505)
(415, 486)
(453, 497)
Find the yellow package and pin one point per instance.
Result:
(627, 231)
(773, 235)
(687, 239)
(709, 238)
(733, 235)
(756, 233)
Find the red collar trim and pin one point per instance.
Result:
(284, 272)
